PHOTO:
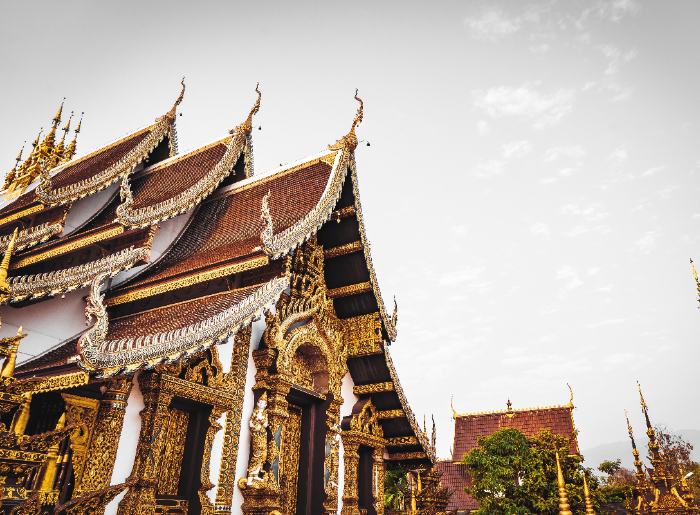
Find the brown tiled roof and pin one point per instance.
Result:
(175, 175)
(229, 227)
(176, 316)
(84, 167)
(468, 428)
(455, 478)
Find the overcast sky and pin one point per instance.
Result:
(531, 191)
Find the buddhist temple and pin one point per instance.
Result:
(470, 426)
(658, 490)
(188, 336)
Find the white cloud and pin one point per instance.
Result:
(665, 192)
(525, 102)
(548, 180)
(468, 278)
(571, 151)
(492, 25)
(652, 171)
(489, 168)
(577, 231)
(648, 241)
(541, 49)
(482, 127)
(611, 10)
(570, 273)
(606, 289)
(618, 156)
(607, 322)
(540, 228)
(591, 212)
(594, 270)
(516, 149)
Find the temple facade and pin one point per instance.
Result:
(236, 357)
(470, 426)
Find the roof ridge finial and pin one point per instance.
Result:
(454, 413)
(247, 126)
(563, 499)
(696, 279)
(571, 400)
(645, 408)
(19, 156)
(57, 119)
(171, 113)
(70, 151)
(350, 140)
(358, 117)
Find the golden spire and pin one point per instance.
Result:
(70, 151)
(50, 139)
(60, 148)
(587, 497)
(10, 177)
(8, 367)
(696, 279)
(563, 500)
(358, 117)
(171, 113)
(454, 413)
(571, 400)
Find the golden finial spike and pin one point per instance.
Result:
(19, 156)
(171, 113)
(36, 141)
(571, 400)
(696, 279)
(644, 404)
(72, 148)
(454, 413)
(587, 497)
(563, 499)
(256, 107)
(77, 129)
(358, 117)
(57, 119)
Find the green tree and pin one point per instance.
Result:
(393, 496)
(620, 482)
(514, 474)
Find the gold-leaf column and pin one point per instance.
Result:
(235, 381)
(155, 418)
(332, 459)
(102, 449)
(378, 480)
(351, 460)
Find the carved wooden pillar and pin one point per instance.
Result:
(277, 413)
(80, 409)
(229, 454)
(378, 480)
(214, 427)
(330, 466)
(102, 449)
(351, 460)
(155, 416)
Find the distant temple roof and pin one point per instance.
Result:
(469, 427)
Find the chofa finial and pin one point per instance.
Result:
(350, 141)
(247, 126)
(571, 400)
(171, 113)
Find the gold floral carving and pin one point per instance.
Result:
(407, 456)
(373, 388)
(93, 503)
(351, 289)
(187, 281)
(363, 334)
(80, 410)
(291, 441)
(235, 382)
(401, 440)
(207, 507)
(174, 449)
(393, 413)
(102, 449)
(342, 250)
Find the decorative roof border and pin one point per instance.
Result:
(62, 281)
(34, 235)
(110, 357)
(165, 126)
(422, 438)
(184, 200)
(389, 322)
(281, 244)
(19, 214)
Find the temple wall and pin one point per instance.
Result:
(85, 208)
(128, 441)
(349, 400)
(39, 322)
(248, 406)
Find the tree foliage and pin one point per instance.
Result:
(393, 496)
(514, 474)
(620, 481)
(675, 453)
